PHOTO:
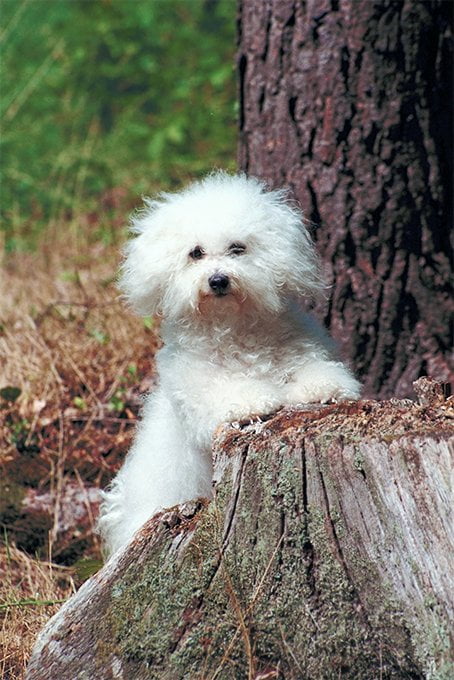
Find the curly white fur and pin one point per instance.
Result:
(223, 262)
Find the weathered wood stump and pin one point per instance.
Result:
(327, 552)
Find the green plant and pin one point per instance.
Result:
(100, 95)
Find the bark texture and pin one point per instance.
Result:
(326, 553)
(349, 103)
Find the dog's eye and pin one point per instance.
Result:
(196, 253)
(237, 249)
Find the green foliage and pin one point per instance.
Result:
(86, 567)
(19, 431)
(100, 94)
(117, 403)
(10, 393)
(80, 403)
(148, 322)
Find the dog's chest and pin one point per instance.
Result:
(261, 354)
(249, 356)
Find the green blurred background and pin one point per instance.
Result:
(109, 98)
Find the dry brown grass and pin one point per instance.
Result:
(80, 361)
(65, 330)
(28, 587)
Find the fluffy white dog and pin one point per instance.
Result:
(223, 262)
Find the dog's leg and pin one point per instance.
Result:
(161, 470)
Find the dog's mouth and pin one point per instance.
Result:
(220, 286)
(220, 301)
(215, 295)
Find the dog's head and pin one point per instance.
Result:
(221, 245)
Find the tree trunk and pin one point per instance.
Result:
(349, 103)
(326, 553)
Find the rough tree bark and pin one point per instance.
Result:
(326, 553)
(349, 102)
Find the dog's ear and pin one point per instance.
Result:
(145, 267)
(306, 278)
(302, 274)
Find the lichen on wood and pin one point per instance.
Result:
(325, 553)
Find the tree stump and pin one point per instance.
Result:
(326, 552)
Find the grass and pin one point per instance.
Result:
(94, 109)
(109, 94)
(74, 363)
(30, 592)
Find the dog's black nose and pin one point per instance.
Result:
(219, 283)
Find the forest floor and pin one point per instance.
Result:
(73, 366)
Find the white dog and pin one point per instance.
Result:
(223, 262)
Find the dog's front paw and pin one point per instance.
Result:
(334, 383)
(306, 394)
(249, 402)
(260, 411)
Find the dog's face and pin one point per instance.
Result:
(223, 246)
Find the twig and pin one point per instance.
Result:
(31, 602)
